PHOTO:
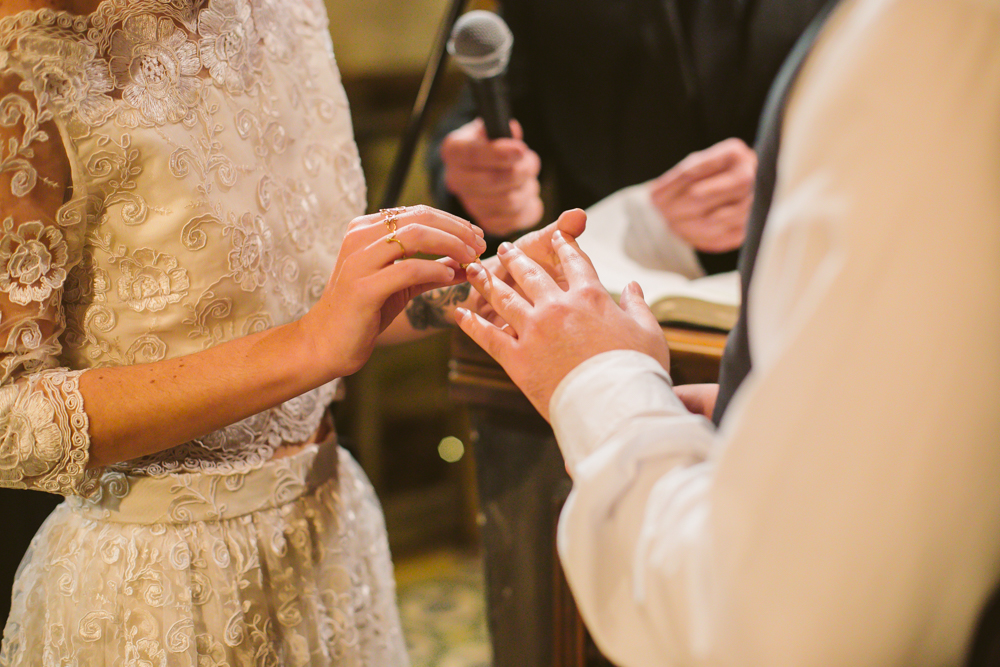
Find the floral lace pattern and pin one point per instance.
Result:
(282, 566)
(213, 173)
(35, 424)
(33, 258)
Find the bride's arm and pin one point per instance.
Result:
(137, 410)
(57, 422)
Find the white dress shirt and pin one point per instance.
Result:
(847, 511)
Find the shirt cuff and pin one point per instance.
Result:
(597, 396)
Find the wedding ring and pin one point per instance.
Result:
(391, 217)
(392, 238)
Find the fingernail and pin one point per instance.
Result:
(461, 313)
(478, 230)
(505, 247)
(481, 243)
(472, 252)
(473, 269)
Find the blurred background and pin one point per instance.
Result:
(397, 418)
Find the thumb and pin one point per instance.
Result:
(633, 302)
(516, 130)
(572, 222)
(477, 129)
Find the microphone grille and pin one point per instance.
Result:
(481, 43)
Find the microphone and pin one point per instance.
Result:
(480, 43)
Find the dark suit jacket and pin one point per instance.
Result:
(614, 92)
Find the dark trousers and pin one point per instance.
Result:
(21, 514)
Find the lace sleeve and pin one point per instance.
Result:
(44, 440)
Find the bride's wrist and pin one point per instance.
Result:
(312, 352)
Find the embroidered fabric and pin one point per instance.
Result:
(286, 565)
(212, 173)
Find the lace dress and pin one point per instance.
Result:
(212, 172)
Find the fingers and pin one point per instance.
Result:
(516, 130)
(572, 222)
(366, 228)
(719, 231)
(503, 199)
(576, 266)
(692, 168)
(468, 147)
(496, 181)
(703, 164)
(413, 274)
(634, 303)
(466, 179)
(413, 240)
(726, 187)
(434, 218)
(533, 280)
(504, 202)
(699, 198)
(497, 342)
(417, 229)
(458, 277)
(504, 300)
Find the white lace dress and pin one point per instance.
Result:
(212, 173)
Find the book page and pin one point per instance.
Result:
(628, 240)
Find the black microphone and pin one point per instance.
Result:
(480, 43)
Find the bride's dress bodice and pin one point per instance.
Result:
(213, 172)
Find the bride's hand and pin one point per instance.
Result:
(369, 287)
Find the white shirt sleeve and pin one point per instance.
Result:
(845, 513)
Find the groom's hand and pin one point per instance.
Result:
(538, 246)
(550, 328)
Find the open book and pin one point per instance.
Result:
(627, 240)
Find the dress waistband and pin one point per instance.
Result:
(191, 497)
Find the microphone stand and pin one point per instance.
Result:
(430, 82)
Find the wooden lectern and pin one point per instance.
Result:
(522, 486)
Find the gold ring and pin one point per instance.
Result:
(392, 238)
(390, 217)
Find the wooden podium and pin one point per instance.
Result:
(523, 484)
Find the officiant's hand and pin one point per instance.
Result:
(496, 181)
(705, 199)
(551, 330)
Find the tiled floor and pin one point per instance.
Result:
(442, 609)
